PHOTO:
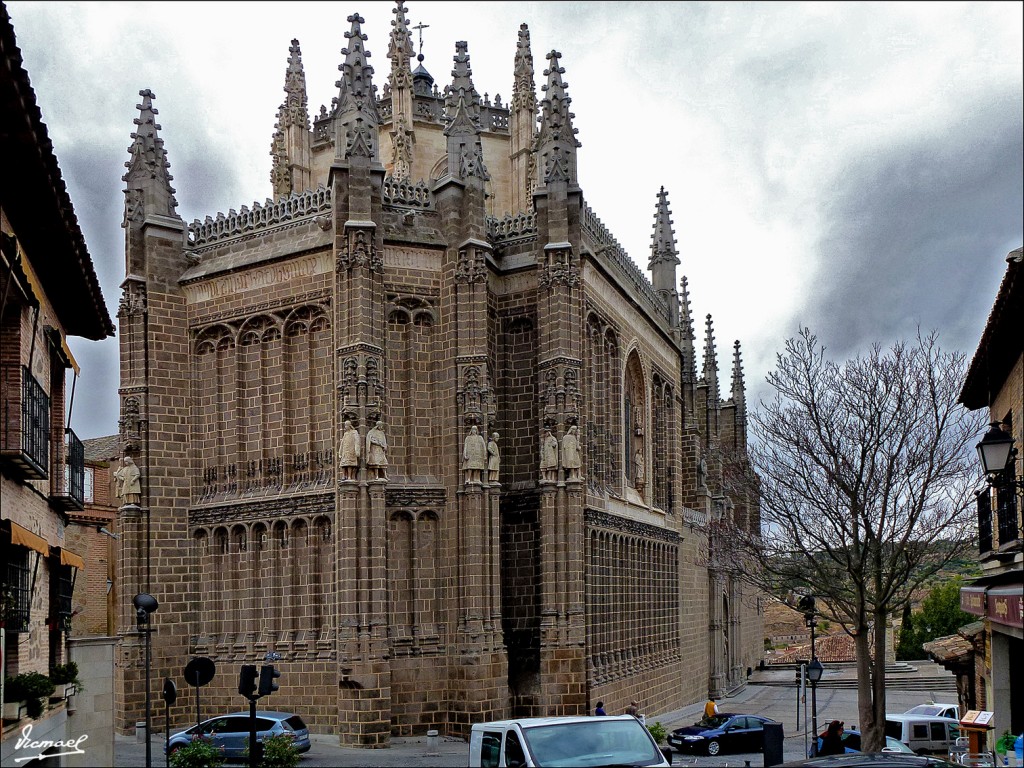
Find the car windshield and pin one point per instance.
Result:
(296, 723)
(715, 722)
(597, 742)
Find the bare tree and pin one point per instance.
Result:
(865, 481)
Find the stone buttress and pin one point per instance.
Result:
(356, 178)
(479, 666)
(154, 416)
(558, 201)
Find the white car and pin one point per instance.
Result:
(933, 709)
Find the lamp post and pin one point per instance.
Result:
(814, 668)
(146, 604)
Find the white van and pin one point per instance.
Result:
(922, 733)
(533, 741)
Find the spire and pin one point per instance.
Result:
(400, 48)
(663, 245)
(523, 126)
(686, 325)
(710, 362)
(356, 113)
(738, 388)
(462, 118)
(401, 84)
(148, 184)
(664, 258)
(290, 164)
(524, 95)
(295, 108)
(557, 138)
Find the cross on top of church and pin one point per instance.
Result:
(420, 27)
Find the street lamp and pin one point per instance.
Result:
(814, 669)
(146, 604)
(994, 449)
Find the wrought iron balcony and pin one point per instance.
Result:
(999, 528)
(69, 490)
(24, 422)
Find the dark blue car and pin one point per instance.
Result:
(721, 733)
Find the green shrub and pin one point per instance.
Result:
(30, 687)
(200, 753)
(658, 731)
(279, 752)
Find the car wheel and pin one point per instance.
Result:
(714, 747)
(174, 749)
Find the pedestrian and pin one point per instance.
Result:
(633, 708)
(600, 709)
(711, 708)
(832, 741)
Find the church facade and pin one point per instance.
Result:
(418, 424)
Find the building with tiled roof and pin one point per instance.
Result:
(48, 292)
(995, 381)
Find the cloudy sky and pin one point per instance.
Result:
(851, 167)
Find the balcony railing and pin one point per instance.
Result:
(999, 528)
(984, 522)
(1008, 525)
(25, 428)
(71, 493)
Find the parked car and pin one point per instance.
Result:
(231, 732)
(923, 733)
(934, 709)
(851, 743)
(722, 733)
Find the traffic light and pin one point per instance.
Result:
(267, 676)
(247, 680)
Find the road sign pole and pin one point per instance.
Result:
(253, 749)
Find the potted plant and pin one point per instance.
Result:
(1004, 746)
(30, 688)
(66, 675)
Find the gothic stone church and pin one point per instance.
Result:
(520, 519)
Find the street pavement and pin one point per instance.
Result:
(770, 693)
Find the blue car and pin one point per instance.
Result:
(721, 733)
(230, 732)
(851, 743)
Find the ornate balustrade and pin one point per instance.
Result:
(618, 257)
(272, 214)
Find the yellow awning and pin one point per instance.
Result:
(25, 538)
(67, 353)
(70, 558)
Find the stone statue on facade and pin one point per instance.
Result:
(571, 459)
(702, 473)
(474, 455)
(129, 482)
(348, 453)
(377, 451)
(549, 458)
(493, 458)
(639, 470)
